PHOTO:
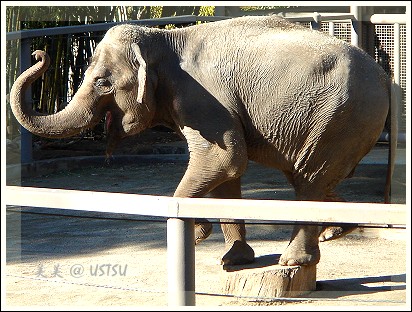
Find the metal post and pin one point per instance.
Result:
(181, 261)
(396, 53)
(397, 97)
(315, 24)
(356, 25)
(331, 28)
(26, 136)
(397, 71)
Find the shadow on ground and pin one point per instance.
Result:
(42, 236)
(353, 286)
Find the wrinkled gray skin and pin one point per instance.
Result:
(249, 88)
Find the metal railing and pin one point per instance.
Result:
(181, 213)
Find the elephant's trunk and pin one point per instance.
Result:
(77, 116)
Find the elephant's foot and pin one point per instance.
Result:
(298, 256)
(333, 232)
(239, 253)
(303, 248)
(202, 231)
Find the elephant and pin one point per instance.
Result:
(254, 88)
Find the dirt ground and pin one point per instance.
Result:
(56, 259)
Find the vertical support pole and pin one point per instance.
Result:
(315, 24)
(356, 25)
(26, 136)
(396, 53)
(396, 97)
(331, 28)
(397, 71)
(181, 261)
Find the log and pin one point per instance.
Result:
(261, 280)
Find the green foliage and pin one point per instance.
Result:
(156, 11)
(207, 11)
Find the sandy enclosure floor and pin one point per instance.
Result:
(118, 260)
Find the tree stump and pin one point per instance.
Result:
(261, 280)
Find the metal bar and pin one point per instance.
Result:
(248, 209)
(181, 262)
(396, 106)
(323, 17)
(396, 53)
(26, 136)
(355, 30)
(295, 211)
(396, 96)
(388, 18)
(32, 33)
(315, 24)
(331, 28)
(180, 230)
(90, 201)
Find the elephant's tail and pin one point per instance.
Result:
(392, 127)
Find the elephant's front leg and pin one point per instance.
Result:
(238, 250)
(234, 231)
(216, 169)
(203, 228)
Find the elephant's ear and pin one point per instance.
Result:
(141, 73)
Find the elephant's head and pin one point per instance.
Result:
(116, 82)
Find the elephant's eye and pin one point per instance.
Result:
(103, 82)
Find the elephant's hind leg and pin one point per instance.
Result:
(303, 248)
(203, 228)
(333, 232)
(234, 231)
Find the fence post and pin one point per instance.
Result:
(356, 25)
(315, 24)
(396, 53)
(331, 28)
(26, 136)
(181, 261)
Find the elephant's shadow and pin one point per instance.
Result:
(260, 262)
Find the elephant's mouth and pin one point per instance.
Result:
(113, 122)
(108, 120)
(114, 133)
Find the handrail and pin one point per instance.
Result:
(64, 30)
(320, 17)
(388, 215)
(388, 18)
(181, 215)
